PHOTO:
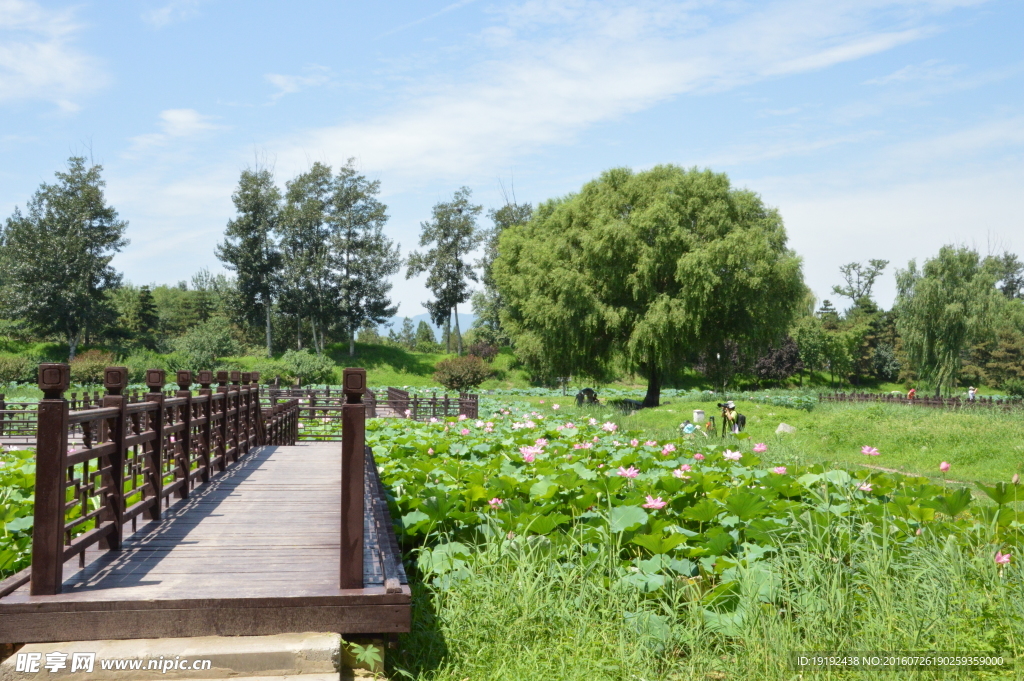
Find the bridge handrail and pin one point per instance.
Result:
(161, 447)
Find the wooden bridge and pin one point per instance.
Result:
(195, 515)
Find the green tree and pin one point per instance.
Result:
(648, 268)
(406, 337)
(860, 280)
(309, 290)
(56, 257)
(452, 235)
(363, 258)
(426, 341)
(249, 247)
(487, 303)
(1009, 274)
(943, 309)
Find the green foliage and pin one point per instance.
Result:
(425, 339)
(203, 344)
(17, 484)
(88, 367)
(249, 248)
(1014, 387)
(17, 368)
(648, 270)
(309, 367)
(56, 257)
(452, 235)
(943, 309)
(462, 373)
(140, 361)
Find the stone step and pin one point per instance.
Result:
(303, 657)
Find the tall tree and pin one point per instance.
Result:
(943, 309)
(487, 303)
(309, 290)
(860, 280)
(249, 246)
(56, 257)
(1009, 273)
(646, 269)
(452, 235)
(363, 257)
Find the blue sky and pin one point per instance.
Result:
(879, 129)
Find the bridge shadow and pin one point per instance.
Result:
(144, 550)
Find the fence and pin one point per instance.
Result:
(134, 457)
(320, 409)
(934, 402)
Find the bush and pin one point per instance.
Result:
(139, 362)
(1014, 387)
(88, 367)
(462, 373)
(270, 369)
(17, 369)
(310, 368)
(203, 344)
(484, 351)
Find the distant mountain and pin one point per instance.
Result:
(465, 321)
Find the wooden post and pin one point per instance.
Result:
(225, 426)
(115, 380)
(236, 419)
(205, 378)
(51, 452)
(353, 443)
(257, 417)
(184, 381)
(155, 381)
(3, 405)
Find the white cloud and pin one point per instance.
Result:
(535, 86)
(175, 124)
(38, 59)
(933, 69)
(315, 76)
(176, 10)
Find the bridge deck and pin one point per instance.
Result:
(255, 551)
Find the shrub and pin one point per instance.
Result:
(462, 373)
(1014, 387)
(484, 351)
(308, 367)
(203, 344)
(270, 369)
(138, 362)
(89, 366)
(17, 368)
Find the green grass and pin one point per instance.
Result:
(517, 612)
(980, 444)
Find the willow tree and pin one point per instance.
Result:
(942, 309)
(646, 271)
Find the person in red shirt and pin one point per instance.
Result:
(912, 394)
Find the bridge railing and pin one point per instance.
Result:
(923, 401)
(134, 459)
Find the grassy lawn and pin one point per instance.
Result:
(983, 444)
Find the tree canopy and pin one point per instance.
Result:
(56, 256)
(648, 270)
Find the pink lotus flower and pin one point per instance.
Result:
(479, 424)
(628, 472)
(555, 406)
(668, 449)
(732, 456)
(681, 472)
(542, 401)
(496, 503)
(609, 427)
(634, 443)
(779, 470)
(655, 502)
(866, 487)
(530, 424)
(944, 467)
(583, 445)
(463, 417)
(488, 429)
(570, 424)
(1002, 558)
(616, 443)
(433, 419)
(430, 451)
(464, 431)
(869, 451)
(592, 422)
(529, 453)
(489, 424)
(651, 443)
(408, 412)
(698, 456)
(760, 448)
(596, 439)
(541, 442)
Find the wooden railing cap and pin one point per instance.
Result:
(156, 379)
(54, 379)
(115, 379)
(184, 380)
